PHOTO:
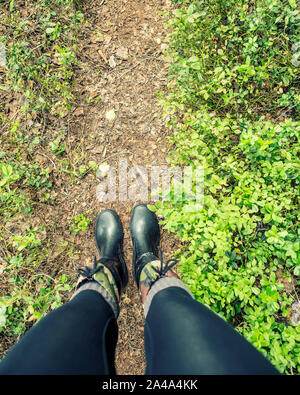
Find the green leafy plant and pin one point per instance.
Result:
(39, 41)
(234, 56)
(79, 223)
(22, 307)
(231, 80)
(42, 68)
(58, 146)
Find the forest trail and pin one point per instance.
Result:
(121, 70)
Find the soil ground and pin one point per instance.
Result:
(121, 68)
(125, 67)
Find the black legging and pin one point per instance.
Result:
(182, 336)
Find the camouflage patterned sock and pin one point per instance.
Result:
(154, 277)
(100, 279)
(155, 269)
(149, 273)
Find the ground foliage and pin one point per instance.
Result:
(66, 69)
(232, 106)
(36, 81)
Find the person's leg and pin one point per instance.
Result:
(80, 337)
(77, 338)
(182, 336)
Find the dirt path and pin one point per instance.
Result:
(122, 68)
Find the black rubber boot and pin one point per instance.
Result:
(145, 234)
(109, 237)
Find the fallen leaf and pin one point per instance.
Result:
(112, 62)
(32, 318)
(103, 170)
(296, 313)
(79, 111)
(122, 53)
(110, 115)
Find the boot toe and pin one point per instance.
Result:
(108, 233)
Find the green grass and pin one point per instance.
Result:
(40, 51)
(233, 107)
(40, 42)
